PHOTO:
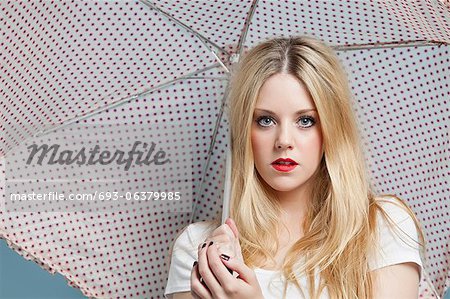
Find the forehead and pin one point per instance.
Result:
(284, 92)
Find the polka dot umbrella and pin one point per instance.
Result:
(147, 80)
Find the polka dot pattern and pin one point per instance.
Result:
(351, 22)
(208, 17)
(127, 245)
(66, 59)
(70, 58)
(404, 118)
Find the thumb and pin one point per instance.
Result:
(232, 225)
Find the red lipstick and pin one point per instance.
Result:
(284, 165)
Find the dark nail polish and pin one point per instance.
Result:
(195, 264)
(210, 243)
(225, 257)
(204, 244)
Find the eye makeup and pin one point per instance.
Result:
(304, 121)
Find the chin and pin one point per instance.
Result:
(285, 184)
(283, 187)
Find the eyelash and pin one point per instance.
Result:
(310, 118)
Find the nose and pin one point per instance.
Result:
(284, 137)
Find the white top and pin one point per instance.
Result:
(397, 246)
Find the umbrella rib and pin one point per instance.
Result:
(394, 44)
(246, 27)
(197, 34)
(219, 118)
(122, 101)
(209, 78)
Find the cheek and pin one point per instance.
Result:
(311, 144)
(319, 140)
(260, 143)
(316, 142)
(255, 143)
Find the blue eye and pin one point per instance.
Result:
(265, 121)
(306, 121)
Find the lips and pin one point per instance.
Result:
(284, 165)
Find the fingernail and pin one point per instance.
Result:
(210, 243)
(195, 264)
(204, 244)
(225, 257)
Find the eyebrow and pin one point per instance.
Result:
(298, 112)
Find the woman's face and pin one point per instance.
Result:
(286, 126)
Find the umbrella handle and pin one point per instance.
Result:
(227, 186)
(227, 191)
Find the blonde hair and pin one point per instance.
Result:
(339, 228)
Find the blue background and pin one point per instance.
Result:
(20, 278)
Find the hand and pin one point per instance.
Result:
(217, 282)
(226, 237)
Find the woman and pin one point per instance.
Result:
(306, 223)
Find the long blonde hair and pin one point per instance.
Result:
(339, 228)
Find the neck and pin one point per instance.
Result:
(294, 205)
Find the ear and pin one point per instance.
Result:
(232, 225)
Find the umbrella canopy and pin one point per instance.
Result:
(83, 72)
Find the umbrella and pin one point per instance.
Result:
(84, 72)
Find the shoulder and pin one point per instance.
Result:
(184, 253)
(397, 233)
(394, 214)
(193, 234)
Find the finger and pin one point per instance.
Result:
(245, 273)
(195, 296)
(222, 274)
(230, 222)
(201, 245)
(237, 249)
(224, 229)
(221, 239)
(223, 243)
(225, 238)
(198, 290)
(205, 272)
